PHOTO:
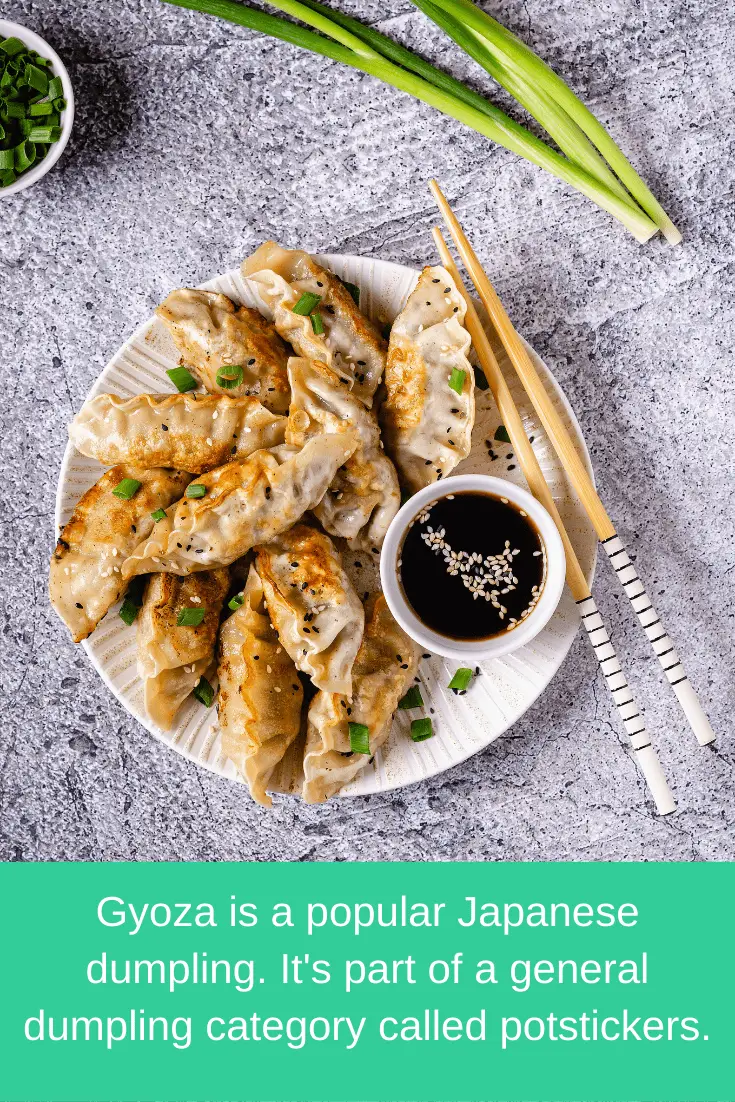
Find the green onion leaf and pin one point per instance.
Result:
(7, 177)
(182, 379)
(133, 600)
(359, 738)
(204, 692)
(461, 679)
(127, 488)
(456, 380)
(36, 78)
(128, 612)
(480, 381)
(7, 159)
(501, 433)
(159, 514)
(421, 729)
(15, 110)
(229, 376)
(412, 699)
(316, 322)
(307, 303)
(45, 135)
(42, 108)
(190, 617)
(55, 88)
(354, 291)
(195, 489)
(12, 46)
(236, 602)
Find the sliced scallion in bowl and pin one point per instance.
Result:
(31, 105)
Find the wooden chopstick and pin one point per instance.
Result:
(563, 444)
(615, 679)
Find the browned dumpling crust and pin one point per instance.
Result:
(260, 694)
(384, 669)
(212, 333)
(172, 658)
(86, 575)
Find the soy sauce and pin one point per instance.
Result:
(472, 566)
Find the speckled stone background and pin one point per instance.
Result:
(194, 141)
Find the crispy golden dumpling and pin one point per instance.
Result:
(260, 694)
(243, 504)
(427, 425)
(193, 432)
(212, 333)
(86, 575)
(350, 344)
(313, 606)
(364, 496)
(173, 658)
(384, 669)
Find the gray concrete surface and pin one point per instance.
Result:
(194, 141)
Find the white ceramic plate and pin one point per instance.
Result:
(463, 725)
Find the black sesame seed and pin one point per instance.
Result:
(455, 310)
(511, 466)
(404, 665)
(251, 362)
(509, 455)
(200, 551)
(349, 711)
(316, 629)
(375, 550)
(399, 657)
(256, 657)
(431, 710)
(304, 585)
(531, 439)
(447, 290)
(426, 655)
(319, 284)
(133, 528)
(307, 631)
(436, 281)
(79, 606)
(165, 428)
(428, 463)
(428, 302)
(294, 565)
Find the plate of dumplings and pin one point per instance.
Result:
(221, 507)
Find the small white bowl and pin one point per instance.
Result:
(34, 42)
(483, 648)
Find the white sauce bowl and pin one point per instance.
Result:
(507, 641)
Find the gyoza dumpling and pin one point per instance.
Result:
(364, 496)
(212, 333)
(172, 659)
(350, 343)
(384, 668)
(86, 567)
(243, 504)
(313, 607)
(427, 425)
(195, 432)
(260, 694)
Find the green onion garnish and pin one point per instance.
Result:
(44, 135)
(128, 612)
(412, 699)
(25, 156)
(182, 379)
(190, 617)
(29, 95)
(133, 601)
(461, 679)
(359, 738)
(421, 729)
(501, 433)
(229, 376)
(55, 88)
(204, 692)
(126, 488)
(456, 380)
(42, 108)
(12, 46)
(307, 303)
(35, 78)
(195, 489)
(235, 602)
(316, 322)
(354, 291)
(159, 514)
(480, 381)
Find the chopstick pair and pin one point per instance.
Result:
(615, 680)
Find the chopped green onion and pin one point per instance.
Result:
(45, 135)
(159, 514)
(12, 46)
(36, 78)
(421, 729)
(229, 376)
(359, 738)
(127, 488)
(480, 380)
(412, 699)
(204, 693)
(307, 303)
(133, 600)
(60, 104)
(354, 291)
(128, 612)
(7, 159)
(55, 88)
(15, 111)
(190, 617)
(461, 679)
(182, 379)
(456, 380)
(235, 602)
(7, 177)
(195, 489)
(42, 108)
(501, 433)
(316, 322)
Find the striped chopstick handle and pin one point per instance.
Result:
(616, 681)
(650, 621)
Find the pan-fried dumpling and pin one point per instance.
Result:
(260, 694)
(313, 607)
(172, 659)
(350, 344)
(194, 432)
(427, 425)
(86, 575)
(384, 669)
(212, 333)
(243, 504)
(364, 496)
